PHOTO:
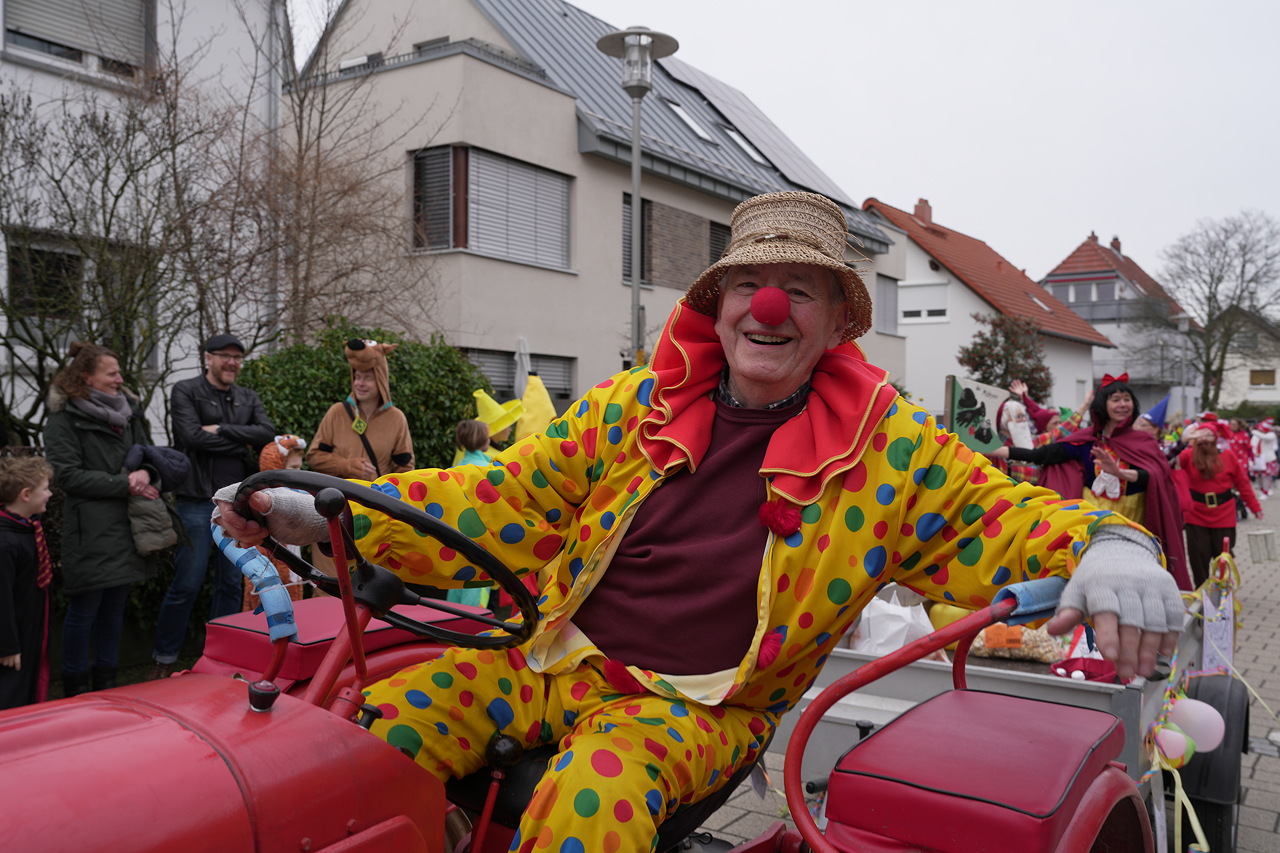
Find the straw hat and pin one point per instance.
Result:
(788, 227)
(497, 415)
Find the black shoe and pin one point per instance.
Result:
(104, 678)
(74, 684)
(160, 670)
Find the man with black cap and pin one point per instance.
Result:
(220, 426)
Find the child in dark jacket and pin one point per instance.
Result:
(25, 573)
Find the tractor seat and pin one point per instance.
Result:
(981, 765)
(516, 790)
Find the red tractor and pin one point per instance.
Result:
(261, 746)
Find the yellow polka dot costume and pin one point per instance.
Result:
(882, 495)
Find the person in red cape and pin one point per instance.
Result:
(1116, 467)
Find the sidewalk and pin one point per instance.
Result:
(747, 815)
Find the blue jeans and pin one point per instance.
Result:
(96, 616)
(191, 564)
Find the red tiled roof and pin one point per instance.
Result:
(1005, 287)
(1093, 257)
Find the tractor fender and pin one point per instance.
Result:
(1214, 776)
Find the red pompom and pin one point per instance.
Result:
(615, 672)
(769, 648)
(782, 517)
(771, 306)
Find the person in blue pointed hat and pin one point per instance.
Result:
(1152, 420)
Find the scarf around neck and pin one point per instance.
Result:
(111, 409)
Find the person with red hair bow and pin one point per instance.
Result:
(1114, 466)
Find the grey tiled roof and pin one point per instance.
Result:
(561, 38)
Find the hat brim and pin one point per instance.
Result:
(511, 412)
(703, 295)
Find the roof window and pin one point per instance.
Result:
(689, 120)
(744, 144)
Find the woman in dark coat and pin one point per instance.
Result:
(92, 424)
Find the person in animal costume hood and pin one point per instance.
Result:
(703, 528)
(365, 436)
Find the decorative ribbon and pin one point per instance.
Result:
(1173, 690)
(1107, 378)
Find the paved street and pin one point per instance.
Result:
(747, 814)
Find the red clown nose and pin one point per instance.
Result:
(770, 306)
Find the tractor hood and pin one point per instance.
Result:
(184, 764)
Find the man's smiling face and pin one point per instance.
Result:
(768, 363)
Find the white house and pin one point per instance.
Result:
(66, 54)
(517, 151)
(942, 278)
(1111, 291)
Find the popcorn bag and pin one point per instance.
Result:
(1018, 642)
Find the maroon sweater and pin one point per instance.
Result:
(679, 597)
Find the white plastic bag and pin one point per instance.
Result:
(887, 625)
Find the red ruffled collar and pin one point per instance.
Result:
(805, 452)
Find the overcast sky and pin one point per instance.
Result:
(1026, 123)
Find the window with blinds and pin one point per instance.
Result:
(466, 198)
(499, 367)
(886, 305)
(112, 29)
(626, 237)
(720, 235)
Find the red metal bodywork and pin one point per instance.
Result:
(184, 764)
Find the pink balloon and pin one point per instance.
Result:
(1200, 721)
(770, 306)
(1175, 746)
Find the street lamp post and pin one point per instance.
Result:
(637, 47)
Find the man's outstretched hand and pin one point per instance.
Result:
(1133, 603)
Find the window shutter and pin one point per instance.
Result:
(116, 29)
(432, 198)
(499, 367)
(518, 211)
(556, 373)
(720, 235)
(886, 307)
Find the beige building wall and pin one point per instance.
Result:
(583, 312)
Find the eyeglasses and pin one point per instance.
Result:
(228, 356)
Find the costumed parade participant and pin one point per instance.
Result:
(1265, 463)
(1014, 427)
(704, 528)
(365, 435)
(1214, 479)
(1114, 466)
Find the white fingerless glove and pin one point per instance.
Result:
(292, 518)
(1120, 573)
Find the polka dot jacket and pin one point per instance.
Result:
(902, 501)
